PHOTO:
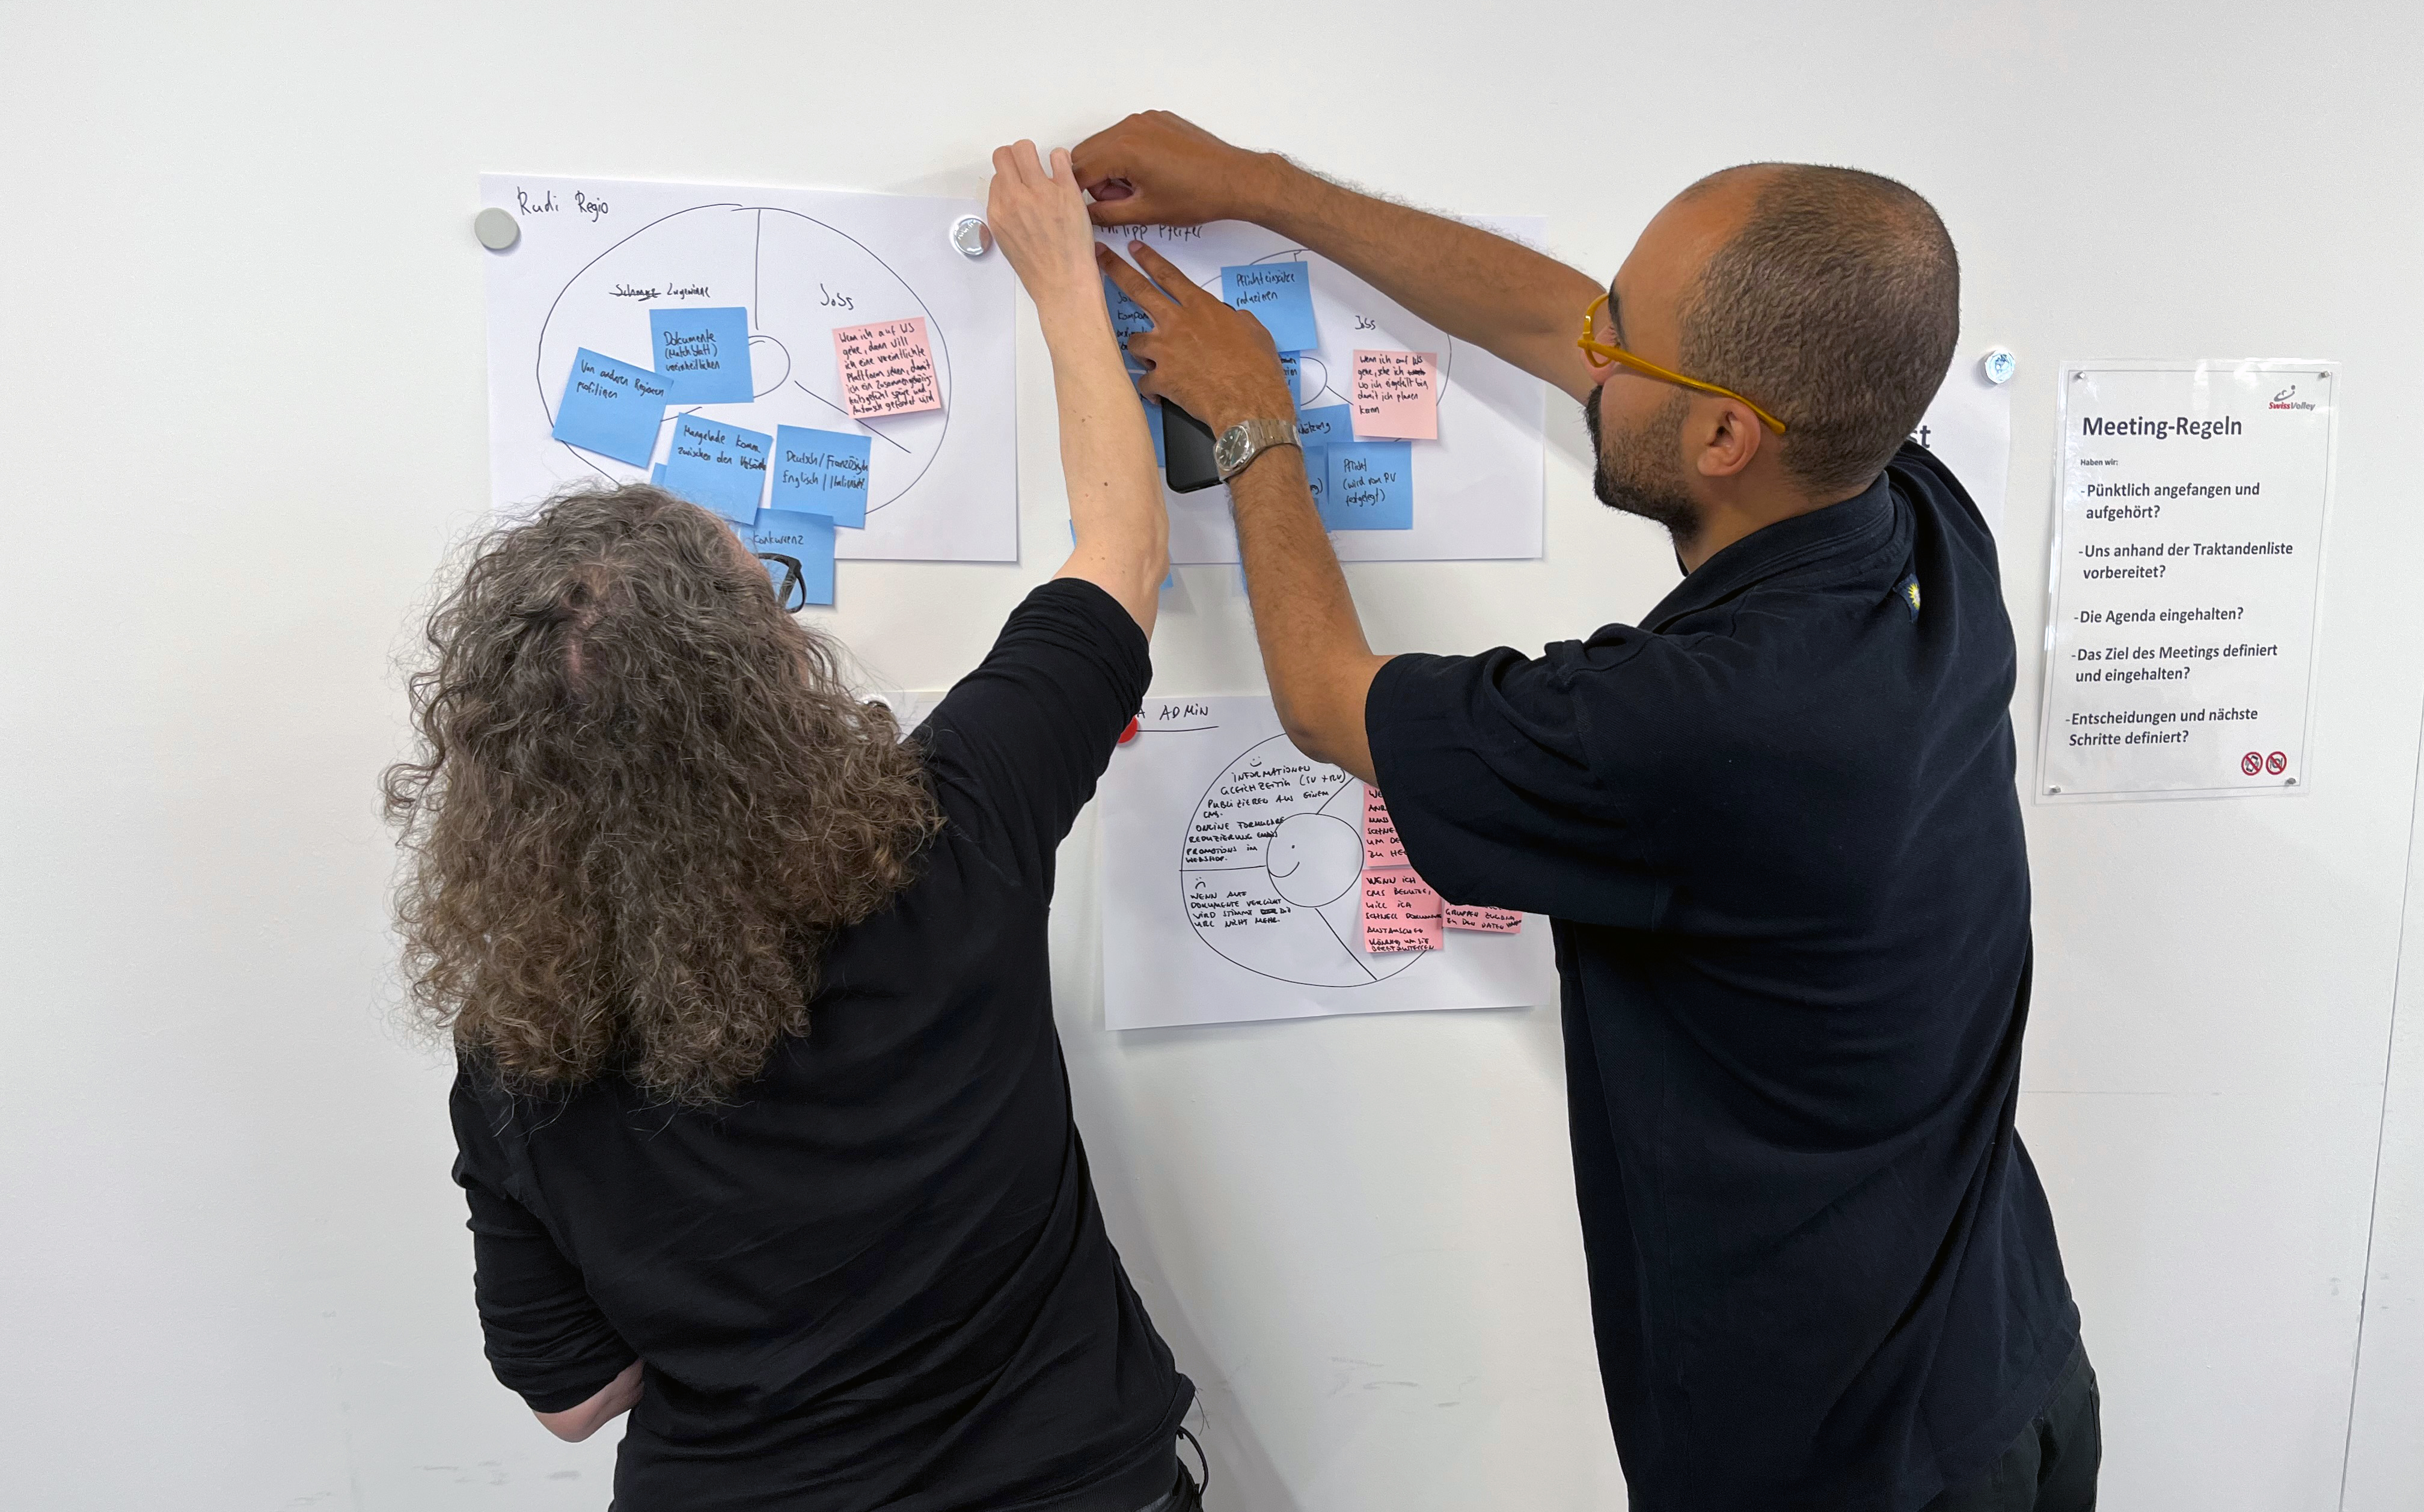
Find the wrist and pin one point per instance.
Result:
(1268, 187)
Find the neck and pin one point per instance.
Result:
(1726, 520)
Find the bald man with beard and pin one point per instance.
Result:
(1774, 823)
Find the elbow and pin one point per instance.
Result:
(1306, 735)
(571, 1427)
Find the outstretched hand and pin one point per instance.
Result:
(1039, 219)
(1215, 362)
(1159, 169)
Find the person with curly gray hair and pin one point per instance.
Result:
(760, 1109)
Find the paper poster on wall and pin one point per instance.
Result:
(2187, 567)
(765, 312)
(1471, 489)
(1969, 426)
(1237, 876)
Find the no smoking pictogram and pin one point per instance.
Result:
(2276, 763)
(2252, 763)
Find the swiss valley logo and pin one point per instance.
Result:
(2288, 399)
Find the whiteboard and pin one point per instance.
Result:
(235, 1277)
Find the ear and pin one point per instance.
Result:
(1728, 436)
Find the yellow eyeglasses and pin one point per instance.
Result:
(1601, 354)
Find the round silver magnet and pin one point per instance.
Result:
(497, 229)
(1999, 364)
(972, 236)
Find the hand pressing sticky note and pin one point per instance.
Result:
(1483, 920)
(1279, 294)
(1400, 912)
(807, 539)
(1371, 488)
(1381, 847)
(1397, 395)
(886, 369)
(821, 472)
(719, 467)
(612, 409)
(703, 354)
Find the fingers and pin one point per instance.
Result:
(1060, 171)
(1164, 272)
(1156, 305)
(1102, 156)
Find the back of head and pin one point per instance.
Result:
(643, 800)
(1836, 304)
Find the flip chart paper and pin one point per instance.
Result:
(718, 467)
(588, 273)
(1371, 488)
(809, 538)
(1397, 395)
(612, 408)
(821, 472)
(2187, 574)
(1234, 885)
(703, 353)
(1483, 920)
(1279, 294)
(885, 369)
(1481, 493)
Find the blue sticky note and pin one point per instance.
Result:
(657, 474)
(612, 409)
(703, 354)
(1371, 487)
(1127, 318)
(1289, 369)
(718, 467)
(1324, 424)
(810, 538)
(821, 472)
(1279, 294)
(1316, 477)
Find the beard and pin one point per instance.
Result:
(1638, 471)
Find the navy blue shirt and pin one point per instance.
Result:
(1776, 828)
(879, 1279)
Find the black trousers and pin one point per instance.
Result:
(2051, 1466)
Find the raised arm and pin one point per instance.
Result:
(1157, 168)
(1106, 452)
(1220, 366)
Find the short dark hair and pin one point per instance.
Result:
(1837, 306)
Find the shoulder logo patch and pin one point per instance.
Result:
(1907, 591)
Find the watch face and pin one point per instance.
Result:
(1230, 450)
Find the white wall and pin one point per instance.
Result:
(240, 408)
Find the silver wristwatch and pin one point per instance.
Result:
(1248, 440)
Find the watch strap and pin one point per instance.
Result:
(1255, 437)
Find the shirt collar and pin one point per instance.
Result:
(1861, 523)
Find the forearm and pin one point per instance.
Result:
(1123, 533)
(1321, 666)
(613, 1400)
(1500, 294)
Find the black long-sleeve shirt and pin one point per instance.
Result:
(880, 1281)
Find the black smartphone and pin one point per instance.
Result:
(1187, 451)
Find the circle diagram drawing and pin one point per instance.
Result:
(801, 279)
(1270, 867)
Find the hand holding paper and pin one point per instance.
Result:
(1217, 363)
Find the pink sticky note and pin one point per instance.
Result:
(885, 369)
(1400, 911)
(1381, 847)
(1484, 920)
(1397, 395)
